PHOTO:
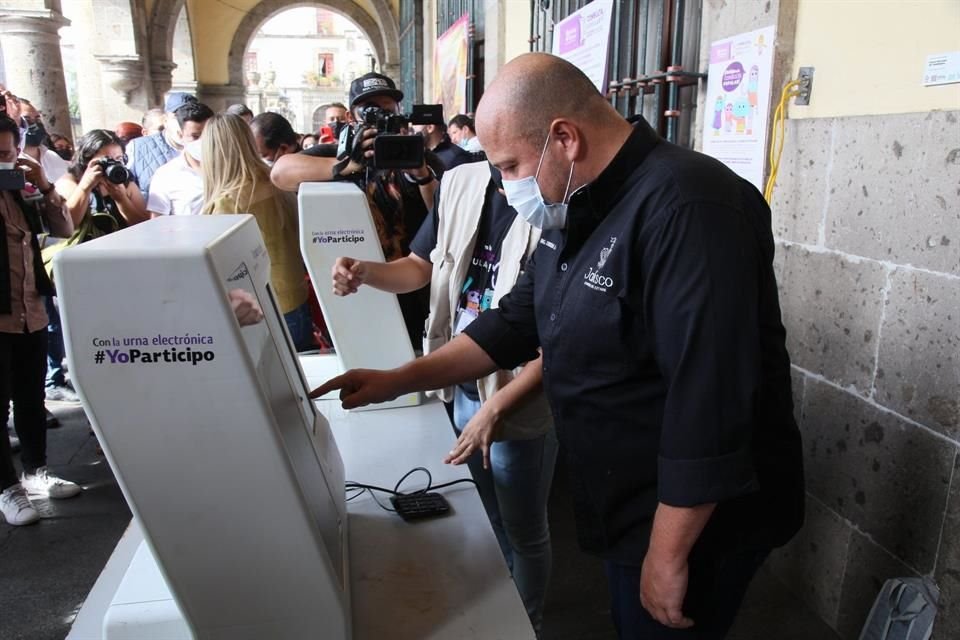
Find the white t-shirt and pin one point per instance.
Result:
(54, 167)
(176, 189)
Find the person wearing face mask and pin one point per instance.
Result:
(653, 300)
(471, 250)
(148, 153)
(177, 186)
(87, 189)
(463, 133)
(274, 136)
(34, 145)
(23, 329)
(435, 139)
(62, 146)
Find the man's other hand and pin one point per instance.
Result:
(245, 307)
(348, 274)
(663, 586)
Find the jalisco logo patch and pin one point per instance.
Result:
(595, 280)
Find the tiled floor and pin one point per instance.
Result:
(47, 570)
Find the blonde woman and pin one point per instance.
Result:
(236, 180)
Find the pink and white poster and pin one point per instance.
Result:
(583, 39)
(450, 68)
(737, 108)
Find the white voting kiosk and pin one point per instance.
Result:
(367, 327)
(256, 544)
(173, 387)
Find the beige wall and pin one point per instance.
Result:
(516, 25)
(869, 55)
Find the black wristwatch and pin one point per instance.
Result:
(430, 177)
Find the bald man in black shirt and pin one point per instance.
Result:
(653, 299)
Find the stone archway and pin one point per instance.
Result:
(162, 25)
(381, 30)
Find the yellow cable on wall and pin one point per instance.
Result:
(778, 135)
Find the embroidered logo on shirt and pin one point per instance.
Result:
(605, 253)
(597, 281)
(548, 244)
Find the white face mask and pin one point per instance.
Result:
(8, 166)
(524, 195)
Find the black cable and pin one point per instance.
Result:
(453, 482)
(396, 488)
(360, 488)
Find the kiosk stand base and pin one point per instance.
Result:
(442, 578)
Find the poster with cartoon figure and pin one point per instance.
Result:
(738, 95)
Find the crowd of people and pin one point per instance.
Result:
(667, 385)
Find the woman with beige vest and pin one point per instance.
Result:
(471, 251)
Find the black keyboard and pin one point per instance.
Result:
(414, 506)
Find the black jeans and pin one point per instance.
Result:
(23, 371)
(717, 584)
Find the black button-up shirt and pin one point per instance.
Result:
(664, 357)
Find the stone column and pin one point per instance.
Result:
(219, 96)
(161, 71)
(34, 66)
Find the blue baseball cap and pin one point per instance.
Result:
(176, 100)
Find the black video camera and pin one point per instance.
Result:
(114, 171)
(391, 148)
(12, 179)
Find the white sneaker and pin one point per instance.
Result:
(63, 393)
(44, 484)
(16, 506)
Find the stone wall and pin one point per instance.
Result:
(867, 218)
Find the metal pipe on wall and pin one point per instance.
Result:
(676, 59)
(630, 48)
(615, 55)
(641, 61)
(658, 88)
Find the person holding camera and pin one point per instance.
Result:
(399, 199)
(99, 182)
(23, 328)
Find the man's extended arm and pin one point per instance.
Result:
(458, 361)
(292, 169)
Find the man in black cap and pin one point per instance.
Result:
(399, 199)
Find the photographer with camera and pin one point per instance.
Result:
(389, 164)
(98, 182)
(23, 328)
